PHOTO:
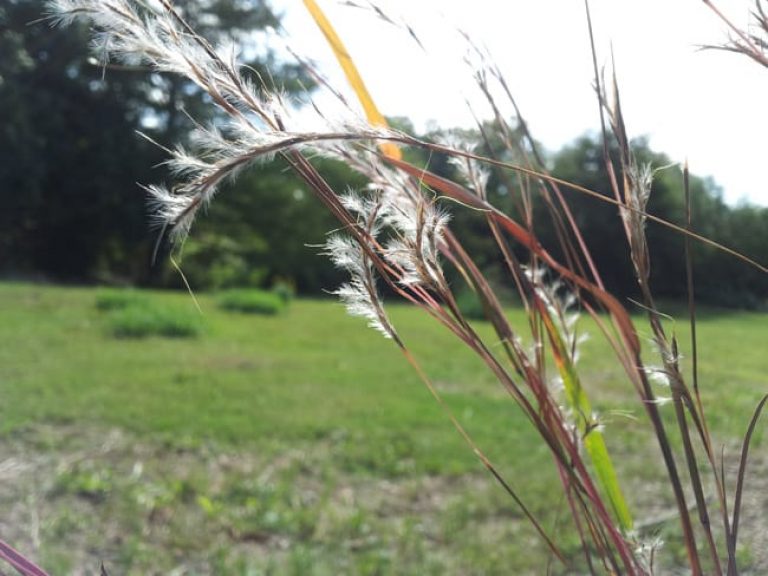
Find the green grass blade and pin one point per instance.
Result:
(594, 442)
(606, 474)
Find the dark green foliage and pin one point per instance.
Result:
(215, 258)
(71, 207)
(720, 278)
(71, 159)
(252, 301)
(470, 305)
(263, 228)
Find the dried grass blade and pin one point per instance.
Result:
(740, 483)
(588, 192)
(698, 413)
(481, 456)
(618, 313)
(19, 562)
(354, 78)
(524, 237)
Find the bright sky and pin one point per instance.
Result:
(707, 106)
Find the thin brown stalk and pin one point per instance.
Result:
(693, 469)
(749, 47)
(741, 475)
(553, 423)
(481, 455)
(557, 220)
(691, 296)
(634, 227)
(703, 426)
(571, 257)
(586, 191)
(578, 522)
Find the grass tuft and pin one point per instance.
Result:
(252, 302)
(108, 299)
(141, 321)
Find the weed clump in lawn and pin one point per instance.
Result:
(252, 301)
(143, 321)
(133, 315)
(108, 299)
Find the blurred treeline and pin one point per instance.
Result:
(70, 160)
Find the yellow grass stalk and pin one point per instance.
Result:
(353, 75)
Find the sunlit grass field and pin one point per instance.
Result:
(302, 442)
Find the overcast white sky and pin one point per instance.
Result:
(708, 106)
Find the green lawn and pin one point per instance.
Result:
(300, 443)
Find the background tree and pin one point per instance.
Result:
(266, 228)
(720, 278)
(168, 101)
(68, 172)
(72, 208)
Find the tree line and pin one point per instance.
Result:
(71, 209)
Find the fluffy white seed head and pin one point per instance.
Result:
(360, 295)
(473, 173)
(560, 306)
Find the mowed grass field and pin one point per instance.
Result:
(303, 443)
